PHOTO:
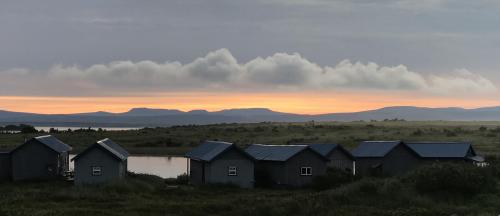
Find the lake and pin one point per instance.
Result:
(163, 166)
(95, 128)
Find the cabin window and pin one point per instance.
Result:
(96, 171)
(232, 171)
(306, 171)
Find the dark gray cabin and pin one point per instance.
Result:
(220, 162)
(287, 165)
(337, 155)
(102, 162)
(41, 158)
(5, 166)
(384, 158)
(445, 151)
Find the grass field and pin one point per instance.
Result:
(179, 139)
(150, 195)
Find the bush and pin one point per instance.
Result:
(453, 178)
(334, 178)
(182, 179)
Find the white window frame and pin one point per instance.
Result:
(306, 171)
(96, 170)
(232, 171)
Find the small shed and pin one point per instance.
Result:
(287, 165)
(220, 162)
(43, 157)
(5, 166)
(384, 158)
(337, 155)
(102, 162)
(445, 151)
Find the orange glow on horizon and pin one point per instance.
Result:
(300, 103)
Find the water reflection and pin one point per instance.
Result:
(163, 166)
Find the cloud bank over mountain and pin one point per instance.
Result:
(220, 71)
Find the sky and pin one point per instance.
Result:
(314, 56)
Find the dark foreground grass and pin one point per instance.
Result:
(149, 195)
(178, 140)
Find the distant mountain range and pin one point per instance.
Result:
(141, 117)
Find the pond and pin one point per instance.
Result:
(47, 128)
(163, 166)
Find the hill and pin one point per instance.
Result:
(140, 117)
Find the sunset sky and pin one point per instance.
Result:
(308, 57)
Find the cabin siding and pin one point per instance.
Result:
(195, 172)
(112, 169)
(274, 170)
(34, 160)
(397, 161)
(366, 166)
(339, 159)
(216, 171)
(5, 166)
(287, 173)
(306, 158)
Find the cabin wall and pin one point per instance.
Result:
(217, 170)
(195, 172)
(399, 160)
(366, 165)
(339, 159)
(112, 169)
(273, 171)
(5, 166)
(305, 158)
(34, 160)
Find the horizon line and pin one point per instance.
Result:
(248, 108)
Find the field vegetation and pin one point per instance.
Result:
(440, 189)
(177, 140)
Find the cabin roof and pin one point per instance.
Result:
(276, 152)
(109, 146)
(374, 148)
(113, 147)
(208, 150)
(442, 149)
(325, 149)
(51, 142)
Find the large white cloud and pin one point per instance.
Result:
(220, 71)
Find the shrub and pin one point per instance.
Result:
(334, 178)
(452, 178)
(182, 179)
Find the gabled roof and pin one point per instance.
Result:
(113, 147)
(374, 148)
(49, 141)
(109, 146)
(325, 149)
(442, 149)
(277, 152)
(209, 150)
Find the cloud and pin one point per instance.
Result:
(220, 71)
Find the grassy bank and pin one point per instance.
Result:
(178, 140)
(149, 195)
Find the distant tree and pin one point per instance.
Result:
(28, 129)
(483, 128)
